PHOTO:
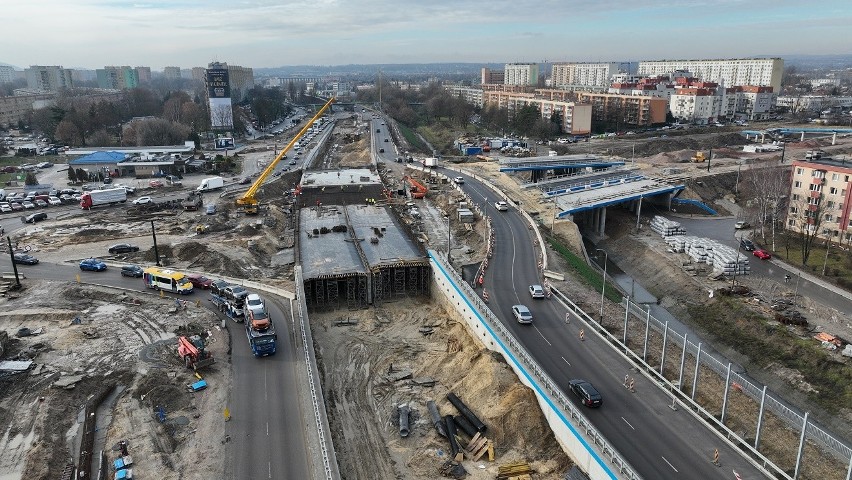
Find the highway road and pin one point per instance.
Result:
(658, 442)
(267, 427)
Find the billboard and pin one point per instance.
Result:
(218, 84)
(221, 114)
(223, 143)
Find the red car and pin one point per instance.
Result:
(762, 254)
(155, 183)
(198, 280)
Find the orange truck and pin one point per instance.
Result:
(193, 353)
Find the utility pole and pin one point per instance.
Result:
(156, 252)
(709, 157)
(603, 285)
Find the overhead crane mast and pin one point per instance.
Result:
(248, 201)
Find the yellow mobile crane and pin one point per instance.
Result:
(248, 202)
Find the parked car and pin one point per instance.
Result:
(522, 313)
(5, 208)
(211, 209)
(501, 206)
(123, 248)
(245, 181)
(762, 254)
(155, 183)
(40, 203)
(143, 201)
(16, 206)
(34, 217)
(742, 224)
(54, 201)
(131, 271)
(386, 140)
(28, 205)
(25, 259)
(536, 291)
(198, 280)
(747, 245)
(589, 395)
(381, 150)
(93, 265)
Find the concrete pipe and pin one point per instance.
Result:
(462, 408)
(437, 421)
(403, 420)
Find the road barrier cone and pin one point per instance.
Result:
(632, 385)
(582, 335)
(716, 457)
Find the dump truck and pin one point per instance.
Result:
(193, 353)
(210, 183)
(97, 198)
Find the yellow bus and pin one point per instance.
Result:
(168, 280)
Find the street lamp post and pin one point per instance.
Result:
(603, 285)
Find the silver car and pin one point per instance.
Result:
(522, 313)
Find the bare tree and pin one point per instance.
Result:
(805, 217)
(766, 188)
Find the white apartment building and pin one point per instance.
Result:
(471, 95)
(746, 71)
(7, 74)
(48, 78)
(582, 74)
(813, 103)
(520, 74)
(700, 105)
(821, 199)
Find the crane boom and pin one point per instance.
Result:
(248, 200)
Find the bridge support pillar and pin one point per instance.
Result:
(602, 222)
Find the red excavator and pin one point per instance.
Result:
(418, 190)
(192, 351)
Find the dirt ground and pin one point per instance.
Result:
(123, 338)
(361, 352)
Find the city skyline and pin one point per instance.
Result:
(259, 33)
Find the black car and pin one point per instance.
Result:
(589, 396)
(35, 217)
(131, 271)
(123, 248)
(747, 245)
(25, 259)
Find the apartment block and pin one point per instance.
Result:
(242, 80)
(700, 103)
(488, 76)
(520, 74)
(171, 73)
(626, 110)
(199, 73)
(143, 74)
(48, 78)
(730, 72)
(117, 78)
(821, 199)
(471, 95)
(571, 75)
(7, 74)
(574, 119)
(17, 108)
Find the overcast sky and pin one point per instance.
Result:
(270, 33)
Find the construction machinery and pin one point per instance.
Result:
(699, 157)
(418, 190)
(193, 353)
(192, 202)
(248, 201)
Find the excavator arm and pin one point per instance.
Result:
(247, 201)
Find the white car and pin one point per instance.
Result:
(522, 313)
(459, 180)
(536, 291)
(143, 200)
(254, 302)
(502, 206)
(127, 188)
(5, 208)
(54, 201)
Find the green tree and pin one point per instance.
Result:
(30, 179)
(72, 175)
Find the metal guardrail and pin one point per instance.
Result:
(562, 406)
(793, 418)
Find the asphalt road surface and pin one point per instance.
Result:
(658, 442)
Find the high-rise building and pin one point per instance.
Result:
(143, 74)
(199, 73)
(520, 74)
(759, 72)
(242, 80)
(219, 97)
(488, 76)
(171, 73)
(7, 74)
(48, 78)
(117, 78)
(582, 74)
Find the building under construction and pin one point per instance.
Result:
(355, 253)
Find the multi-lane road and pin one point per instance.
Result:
(658, 442)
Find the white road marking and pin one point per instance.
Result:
(267, 429)
(269, 468)
(628, 423)
(566, 361)
(670, 464)
(542, 336)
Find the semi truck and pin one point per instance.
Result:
(210, 184)
(97, 198)
(260, 333)
(230, 299)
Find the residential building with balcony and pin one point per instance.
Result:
(821, 199)
(488, 76)
(521, 74)
(7, 74)
(700, 103)
(117, 78)
(471, 95)
(48, 78)
(16, 108)
(624, 111)
(171, 73)
(574, 119)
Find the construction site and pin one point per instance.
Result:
(382, 341)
